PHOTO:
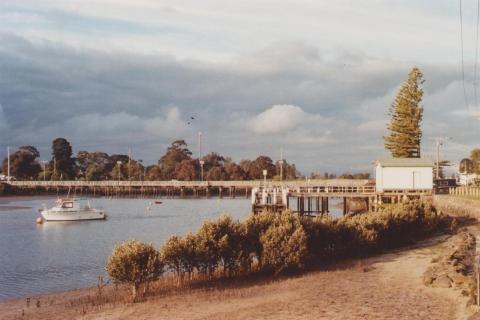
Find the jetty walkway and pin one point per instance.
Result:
(306, 196)
(171, 187)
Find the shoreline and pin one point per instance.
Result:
(352, 284)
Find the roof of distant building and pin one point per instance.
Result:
(405, 162)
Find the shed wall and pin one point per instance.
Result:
(410, 178)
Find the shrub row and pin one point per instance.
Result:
(272, 243)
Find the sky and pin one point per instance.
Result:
(312, 78)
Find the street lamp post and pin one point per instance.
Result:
(438, 143)
(8, 163)
(281, 169)
(119, 163)
(54, 167)
(465, 171)
(44, 170)
(199, 145)
(201, 169)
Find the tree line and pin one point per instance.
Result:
(472, 163)
(176, 163)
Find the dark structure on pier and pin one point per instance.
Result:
(314, 200)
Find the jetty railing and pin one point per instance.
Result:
(177, 187)
(178, 183)
(314, 200)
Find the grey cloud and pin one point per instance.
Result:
(112, 100)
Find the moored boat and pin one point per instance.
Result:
(70, 210)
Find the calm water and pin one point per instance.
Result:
(59, 256)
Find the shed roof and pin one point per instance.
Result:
(405, 162)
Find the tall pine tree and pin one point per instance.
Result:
(406, 112)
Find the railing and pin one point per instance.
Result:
(343, 183)
(334, 190)
(465, 191)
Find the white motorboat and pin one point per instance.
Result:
(70, 210)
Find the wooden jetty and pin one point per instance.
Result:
(314, 200)
(305, 197)
(171, 188)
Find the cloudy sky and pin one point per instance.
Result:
(315, 78)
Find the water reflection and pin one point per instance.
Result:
(70, 254)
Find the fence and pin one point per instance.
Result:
(465, 191)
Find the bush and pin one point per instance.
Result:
(254, 227)
(276, 242)
(135, 263)
(172, 253)
(284, 244)
(219, 243)
(180, 254)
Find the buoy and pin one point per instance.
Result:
(39, 220)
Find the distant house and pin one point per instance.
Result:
(404, 174)
(465, 179)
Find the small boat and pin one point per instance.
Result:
(158, 202)
(70, 210)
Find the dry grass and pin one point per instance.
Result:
(460, 206)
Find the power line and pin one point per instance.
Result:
(476, 56)
(462, 60)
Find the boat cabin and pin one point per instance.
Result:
(67, 204)
(404, 174)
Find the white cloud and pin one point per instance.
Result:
(375, 126)
(281, 118)
(169, 125)
(216, 29)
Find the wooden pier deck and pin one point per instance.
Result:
(311, 196)
(168, 188)
(315, 200)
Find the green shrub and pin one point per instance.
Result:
(180, 254)
(254, 227)
(284, 244)
(219, 243)
(135, 263)
(276, 242)
(172, 254)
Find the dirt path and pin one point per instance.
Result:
(385, 287)
(388, 287)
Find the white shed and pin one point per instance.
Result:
(404, 174)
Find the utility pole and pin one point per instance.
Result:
(437, 154)
(439, 142)
(281, 164)
(44, 162)
(200, 154)
(129, 158)
(119, 163)
(8, 163)
(199, 145)
(54, 167)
